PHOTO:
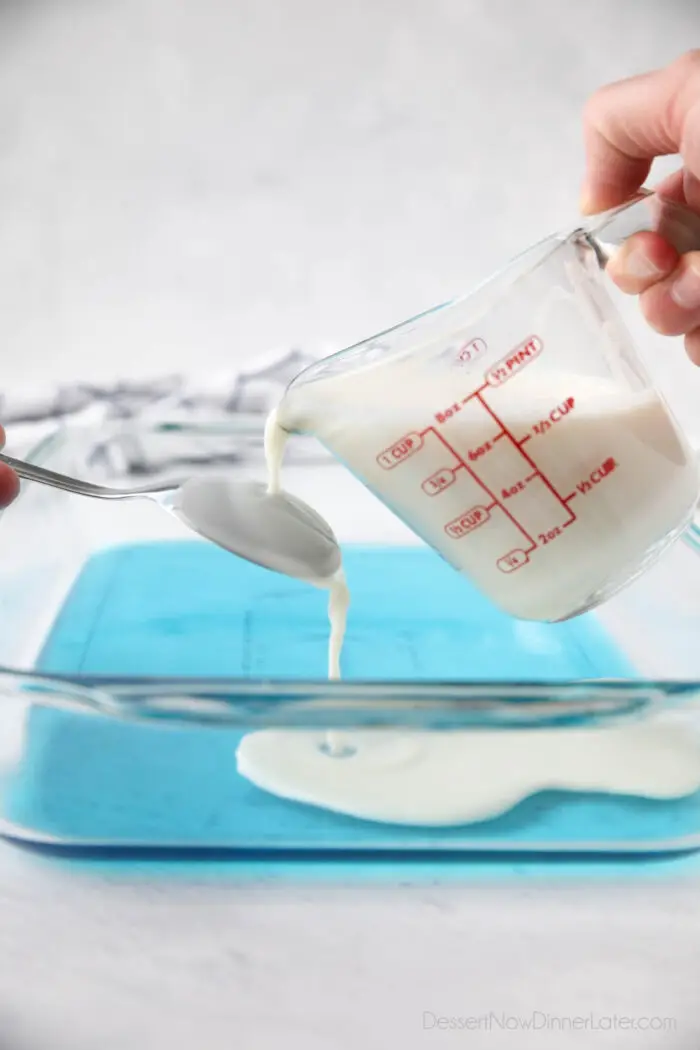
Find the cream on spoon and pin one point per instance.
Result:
(270, 528)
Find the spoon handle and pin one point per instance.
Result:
(30, 472)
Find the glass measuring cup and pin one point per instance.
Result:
(515, 430)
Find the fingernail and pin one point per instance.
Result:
(631, 262)
(685, 291)
(586, 202)
(598, 197)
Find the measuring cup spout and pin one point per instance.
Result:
(646, 212)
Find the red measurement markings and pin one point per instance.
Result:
(474, 348)
(513, 560)
(513, 362)
(438, 482)
(469, 397)
(558, 413)
(595, 477)
(476, 453)
(449, 412)
(551, 534)
(493, 499)
(518, 486)
(518, 444)
(467, 522)
(401, 450)
(479, 514)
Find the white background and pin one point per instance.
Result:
(184, 185)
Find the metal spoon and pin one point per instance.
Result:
(275, 530)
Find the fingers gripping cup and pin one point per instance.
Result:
(516, 430)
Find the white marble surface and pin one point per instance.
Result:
(184, 184)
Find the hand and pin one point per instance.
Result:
(626, 126)
(9, 482)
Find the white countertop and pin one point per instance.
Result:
(187, 184)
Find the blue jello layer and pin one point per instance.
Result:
(190, 610)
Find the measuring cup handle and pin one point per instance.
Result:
(646, 212)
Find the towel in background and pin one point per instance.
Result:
(237, 403)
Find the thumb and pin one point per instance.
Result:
(628, 124)
(9, 483)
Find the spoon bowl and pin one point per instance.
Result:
(276, 530)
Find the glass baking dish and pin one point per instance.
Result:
(137, 658)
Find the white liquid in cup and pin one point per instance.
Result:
(548, 491)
